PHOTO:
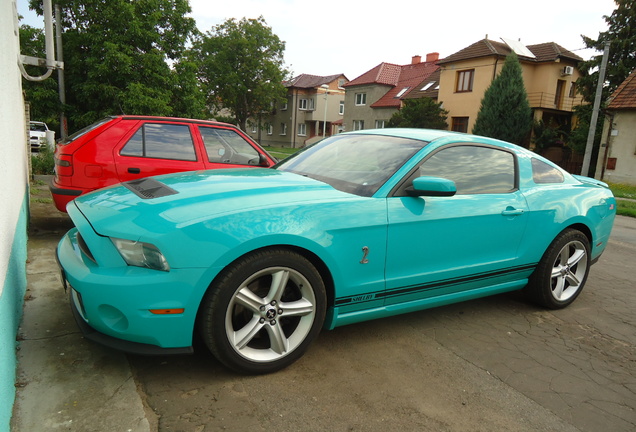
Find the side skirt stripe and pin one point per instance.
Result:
(363, 298)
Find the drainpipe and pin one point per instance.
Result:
(294, 103)
(607, 145)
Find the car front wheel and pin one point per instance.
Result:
(263, 311)
(561, 274)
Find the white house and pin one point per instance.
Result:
(14, 196)
(617, 158)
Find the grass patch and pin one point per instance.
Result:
(621, 190)
(43, 200)
(281, 153)
(626, 208)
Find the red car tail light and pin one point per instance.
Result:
(64, 165)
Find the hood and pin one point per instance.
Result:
(185, 198)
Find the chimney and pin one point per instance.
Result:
(432, 57)
(416, 59)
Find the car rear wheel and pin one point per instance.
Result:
(263, 311)
(562, 272)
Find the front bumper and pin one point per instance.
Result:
(112, 302)
(119, 344)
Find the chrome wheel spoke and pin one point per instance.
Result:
(244, 335)
(298, 308)
(248, 299)
(278, 341)
(279, 283)
(577, 256)
(572, 279)
(557, 291)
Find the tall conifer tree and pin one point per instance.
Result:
(505, 112)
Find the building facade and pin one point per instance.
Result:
(549, 74)
(373, 97)
(14, 196)
(617, 157)
(313, 109)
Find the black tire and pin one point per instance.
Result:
(562, 272)
(262, 312)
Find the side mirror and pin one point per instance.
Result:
(262, 161)
(432, 186)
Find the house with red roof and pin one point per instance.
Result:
(373, 97)
(313, 109)
(549, 75)
(617, 157)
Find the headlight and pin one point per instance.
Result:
(141, 254)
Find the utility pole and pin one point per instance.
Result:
(60, 72)
(597, 104)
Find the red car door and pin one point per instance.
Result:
(157, 148)
(226, 147)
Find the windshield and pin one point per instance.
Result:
(38, 127)
(358, 164)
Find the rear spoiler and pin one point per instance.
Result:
(590, 180)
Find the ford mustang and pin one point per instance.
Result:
(362, 225)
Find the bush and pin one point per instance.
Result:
(43, 162)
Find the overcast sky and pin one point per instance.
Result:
(328, 37)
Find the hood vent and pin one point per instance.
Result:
(148, 188)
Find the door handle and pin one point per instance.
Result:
(134, 170)
(511, 211)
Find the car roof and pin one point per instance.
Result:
(413, 133)
(172, 119)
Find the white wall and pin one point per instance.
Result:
(622, 146)
(13, 204)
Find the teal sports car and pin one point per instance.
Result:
(362, 225)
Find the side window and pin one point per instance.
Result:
(474, 169)
(227, 146)
(161, 141)
(542, 173)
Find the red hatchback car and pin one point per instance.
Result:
(122, 148)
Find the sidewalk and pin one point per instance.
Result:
(65, 383)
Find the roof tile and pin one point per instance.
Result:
(624, 97)
(310, 81)
(544, 52)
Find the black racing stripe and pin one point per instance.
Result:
(357, 299)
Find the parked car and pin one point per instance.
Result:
(37, 135)
(362, 225)
(123, 148)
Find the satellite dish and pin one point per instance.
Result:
(519, 48)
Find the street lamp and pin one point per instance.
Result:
(325, 87)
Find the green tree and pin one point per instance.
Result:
(242, 67)
(621, 34)
(420, 113)
(505, 112)
(117, 54)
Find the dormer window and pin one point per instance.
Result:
(401, 92)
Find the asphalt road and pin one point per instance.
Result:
(494, 364)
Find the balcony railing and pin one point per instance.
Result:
(550, 101)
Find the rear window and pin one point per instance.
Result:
(84, 131)
(542, 173)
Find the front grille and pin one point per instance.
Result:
(84, 248)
